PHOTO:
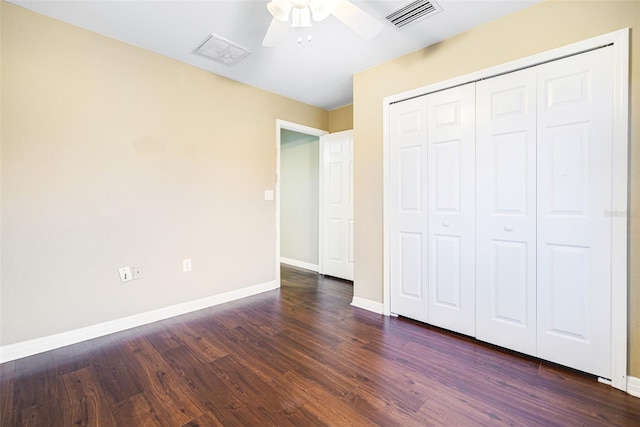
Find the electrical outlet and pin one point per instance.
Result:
(186, 265)
(137, 272)
(125, 274)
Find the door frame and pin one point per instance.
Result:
(619, 40)
(280, 125)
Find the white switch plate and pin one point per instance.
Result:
(125, 274)
(268, 194)
(137, 272)
(186, 265)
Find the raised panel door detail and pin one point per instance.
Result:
(447, 176)
(509, 282)
(335, 183)
(411, 265)
(569, 89)
(509, 102)
(511, 168)
(447, 271)
(568, 160)
(335, 239)
(447, 114)
(336, 147)
(410, 122)
(569, 284)
(410, 170)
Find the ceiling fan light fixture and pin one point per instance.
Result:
(298, 14)
(300, 18)
(280, 9)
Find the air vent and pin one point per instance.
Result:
(221, 50)
(413, 12)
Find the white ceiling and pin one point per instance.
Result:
(317, 73)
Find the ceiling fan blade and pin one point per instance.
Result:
(357, 19)
(276, 33)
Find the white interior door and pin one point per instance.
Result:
(574, 204)
(337, 205)
(408, 209)
(451, 210)
(506, 211)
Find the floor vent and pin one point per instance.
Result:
(221, 50)
(413, 12)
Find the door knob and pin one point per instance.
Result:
(508, 228)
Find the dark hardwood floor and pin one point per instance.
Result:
(299, 356)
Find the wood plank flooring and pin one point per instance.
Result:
(299, 356)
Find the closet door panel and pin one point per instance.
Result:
(408, 178)
(451, 190)
(574, 201)
(506, 211)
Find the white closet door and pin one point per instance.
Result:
(574, 202)
(506, 211)
(451, 192)
(408, 189)
(337, 240)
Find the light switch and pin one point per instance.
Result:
(268, 194)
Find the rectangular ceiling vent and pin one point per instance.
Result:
(221, 50)
(413, 12)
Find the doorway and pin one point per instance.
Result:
(298, 237)
(299, 199)
(314, 200)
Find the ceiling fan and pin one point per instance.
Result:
(299, 13)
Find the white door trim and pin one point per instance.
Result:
(619, 213)
(283, 124)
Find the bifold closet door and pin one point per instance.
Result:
(506, 211)
(574, 204)
(451, 206)
(408, 193)
(501, 197)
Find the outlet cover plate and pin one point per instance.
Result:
(125, 274)
(186, 265)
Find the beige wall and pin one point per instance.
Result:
(299, 196)
(542, 27)
(115, 156)
(341, 119)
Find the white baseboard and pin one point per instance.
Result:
(369, 305)
(633, 386)
(39, 345)
(301, 264)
